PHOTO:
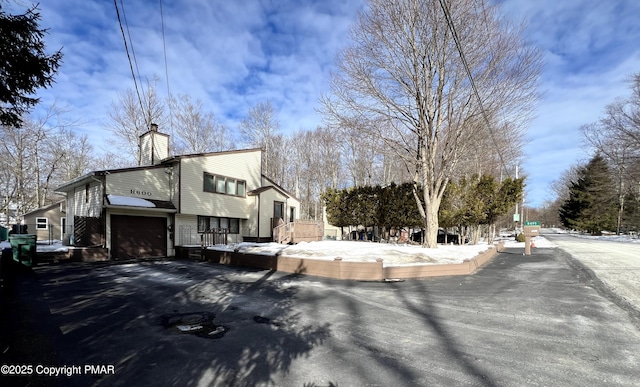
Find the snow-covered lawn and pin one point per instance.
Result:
(358, 251)
(612, 237)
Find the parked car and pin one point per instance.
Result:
(451, 237)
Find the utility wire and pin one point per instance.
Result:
(133, 52)
(166, 66)
(126, 47)
(447, 14)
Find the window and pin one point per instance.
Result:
(231, 186)
(208, 223)
(220, 184)
(224, 185)
(292, 214)
(209, 185)
(278, 209)
(203, 223)
(42, 224)
(234, 226)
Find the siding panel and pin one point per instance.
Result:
(243, 165)
(151, 183)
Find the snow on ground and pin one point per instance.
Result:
(612, 237)
(51, 247)
(42, 246)
(359, 251)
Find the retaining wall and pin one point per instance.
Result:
(362, 271)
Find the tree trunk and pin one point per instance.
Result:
(431, 223)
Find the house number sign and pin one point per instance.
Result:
(141, 193)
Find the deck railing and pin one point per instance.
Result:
(299, 231)
(214, 236)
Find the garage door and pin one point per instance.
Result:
(138, 237)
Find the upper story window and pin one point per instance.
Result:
(224, 185)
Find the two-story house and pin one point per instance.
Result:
(170, 201)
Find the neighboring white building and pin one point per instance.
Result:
(147, 211)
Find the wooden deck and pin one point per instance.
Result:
(299, 231)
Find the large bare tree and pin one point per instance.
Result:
(196, 130)
(129, 117)
(260, 129)
(39, 155)
(442, 74)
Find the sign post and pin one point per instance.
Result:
(531, 229)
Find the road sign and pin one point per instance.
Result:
(536, 223)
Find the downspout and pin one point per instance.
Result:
(258, 228)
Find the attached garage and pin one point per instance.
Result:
(138, 236)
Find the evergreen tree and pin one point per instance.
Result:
(592, 202)
(24, 65)
(503, 198)
(397, 207)
(336, 205)
(631, 215)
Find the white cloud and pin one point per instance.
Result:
(234, 54)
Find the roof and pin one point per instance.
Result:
(46, 208)
(170, 160)
(178, 157)
(279, 189)
(260, 190)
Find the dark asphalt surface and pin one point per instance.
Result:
(539, 320)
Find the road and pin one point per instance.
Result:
(616, 264)
(538, 320)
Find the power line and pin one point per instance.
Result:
(133, 52)
(166, 66)
(456, 39)
(126, 47)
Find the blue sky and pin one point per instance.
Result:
(234, 54)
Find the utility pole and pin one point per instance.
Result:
(516, 215)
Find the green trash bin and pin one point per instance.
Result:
(4, 233)
(24, 248)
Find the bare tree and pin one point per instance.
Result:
(195, 130)
(19, 184)
(35, 156)
(360, 152)
(622, 117)
(561, 185)
(74, 155)
(313, 163)
(260, 129)
(130, 117)
(442, 75)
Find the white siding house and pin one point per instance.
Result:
(148, 210)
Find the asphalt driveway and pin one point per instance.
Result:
(519, 321)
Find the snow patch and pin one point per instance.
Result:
(359, 251)
(118, 200)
